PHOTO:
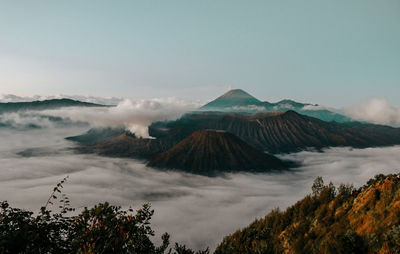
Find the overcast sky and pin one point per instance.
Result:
(333, 53)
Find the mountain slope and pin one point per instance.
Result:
(325, 115)
(96, 135)
(278, 132)
(343, 220)
(123, 144)
(43, 105)
(231, 99)
(211, 151)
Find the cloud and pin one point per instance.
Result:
(195, 210)
(23, 121)
(314, 107)
(136, 116)
(283, 106)
(33, 120)
(248, 108)
(375, 110)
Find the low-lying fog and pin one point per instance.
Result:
(195, 210)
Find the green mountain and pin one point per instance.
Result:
(240, 101)
(325, 115)
(230, 100)
(331, 220)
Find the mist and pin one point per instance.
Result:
(196, 210)
(375, 110)
(136, 116)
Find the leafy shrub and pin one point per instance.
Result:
(103, 228)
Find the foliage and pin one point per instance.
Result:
(392, 237)
(331, 220)
(103, 228)
(317, 186)
(182, 249)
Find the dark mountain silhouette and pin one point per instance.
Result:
(287, 131)
(97, 135)
(210, 151)
(273, 132)
(126, 144)
(43, 105)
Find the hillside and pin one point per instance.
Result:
(342, 220)
(43, 105)
(278, 132)
(231, 99)
(273, 132)
(210, 151)
(96, 135)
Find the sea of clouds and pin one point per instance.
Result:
(195, 210)
(136, 116)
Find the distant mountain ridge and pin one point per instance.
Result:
(239, 101)
(45, 104)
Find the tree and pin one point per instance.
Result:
(182, 249)
(103, 228)
(317, 186)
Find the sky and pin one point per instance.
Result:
(333, 53)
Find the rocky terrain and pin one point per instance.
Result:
(331, 220)
(209, 152)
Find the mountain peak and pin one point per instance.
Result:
(230, 99)
(237, 92)
(211, 151)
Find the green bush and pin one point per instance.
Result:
(103, 228)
